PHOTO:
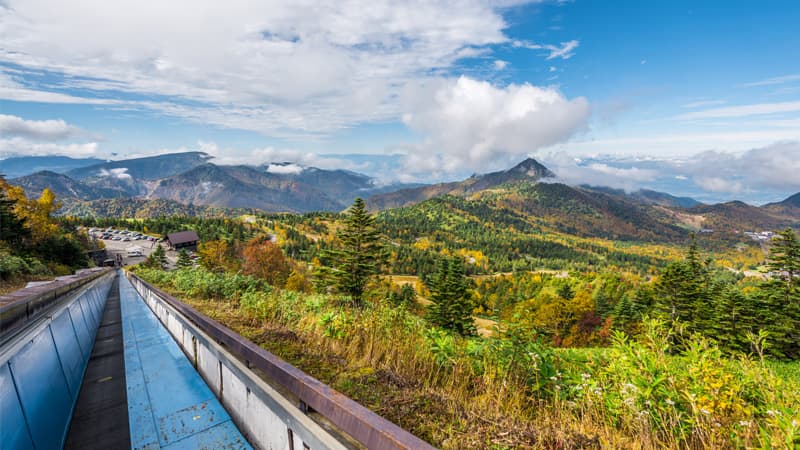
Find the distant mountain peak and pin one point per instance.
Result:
(793, 200)
(533, 169)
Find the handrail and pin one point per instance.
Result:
(363, 425)
(25, 305)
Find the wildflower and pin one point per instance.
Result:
(585, 376)
(744, 423)
(558, 388)
(794, 423)
(772, 413)
(554, 378)
(647, 402)
(705, 411)
(670, 402)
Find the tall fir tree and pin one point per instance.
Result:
(452, 307)
(360, 255)
(12, 227)
(780, 296)
(184, 260)
(157, 259)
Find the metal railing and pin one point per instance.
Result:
(363, 425)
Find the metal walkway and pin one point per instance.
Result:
(169, 404)
(100, 420)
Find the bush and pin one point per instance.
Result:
(12, 266)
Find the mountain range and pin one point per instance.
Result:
(192, 183)
(191, 178)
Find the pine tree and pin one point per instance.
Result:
(784, 259)
(780, 297)
(12, 227)
(360, 255)
(451, 308)
(183, 260)
(157, 259)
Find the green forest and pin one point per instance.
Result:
(475, 326)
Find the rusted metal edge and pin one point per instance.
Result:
(22, 306)
(365, 426)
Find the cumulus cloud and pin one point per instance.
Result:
(772, 167)
(468, 124)
(284, 169)
(266, 155)
(499, 64)
(577, 171)
(120, 173)
(46, 130)
(276, 67)
(18, 146)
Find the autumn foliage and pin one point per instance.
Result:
(264, 259)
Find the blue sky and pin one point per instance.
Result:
(701, 98)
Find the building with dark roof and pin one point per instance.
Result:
(184, 239)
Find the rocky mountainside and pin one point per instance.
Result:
(529, 170)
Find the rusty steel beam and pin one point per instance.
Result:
(363, 425)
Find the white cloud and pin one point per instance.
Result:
(774, 81)
(276, 67)
(48, 130)
(18, 146)
(471, 124)
(265, 155)
(773, 167)
(499, 64)
(574, 171)
(120, 173)
(701, 103)
(742, 110)
(284, 169)
(565, 50)
(717, 184)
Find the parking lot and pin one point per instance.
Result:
(123, 243)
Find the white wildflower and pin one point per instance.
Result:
(705, 411)
(670, 402)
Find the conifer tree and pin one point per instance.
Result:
(360, 255)
(780, 297)
(451, 308)
(12, 227)
(183, 259)
(157, 259)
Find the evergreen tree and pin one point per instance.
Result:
(183, 259)
(360, 255)
(784, 260)
(451, 308)
(12, 227)
(157, 259)
(780, 297)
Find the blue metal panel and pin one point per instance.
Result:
(223, 436)
(81, 328)
(69, 352)
(169, 404)
(13, 428)
(43, 391)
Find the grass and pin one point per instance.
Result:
(510, 391)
